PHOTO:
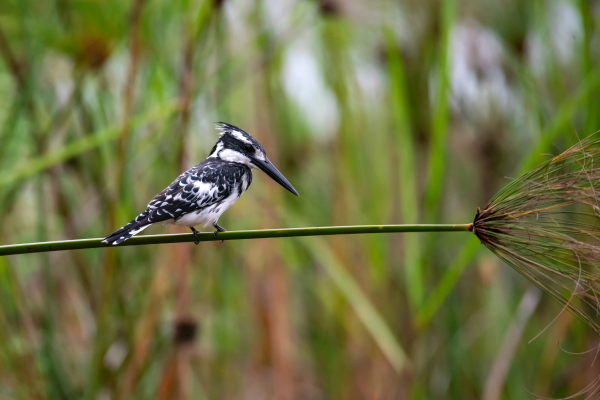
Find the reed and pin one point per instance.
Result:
(233, 235)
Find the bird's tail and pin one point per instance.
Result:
(133, 228)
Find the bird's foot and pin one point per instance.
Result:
(219, 229)
(196, 232)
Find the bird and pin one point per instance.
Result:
(202, 193)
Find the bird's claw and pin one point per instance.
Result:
(219, 229)
(195, 232)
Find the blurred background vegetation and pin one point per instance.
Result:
(378, 112)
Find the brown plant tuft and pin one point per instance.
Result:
(546, 225)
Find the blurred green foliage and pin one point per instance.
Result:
(378, 112)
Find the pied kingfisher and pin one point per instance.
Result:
(201, 194)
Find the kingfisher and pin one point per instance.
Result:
(201, 194)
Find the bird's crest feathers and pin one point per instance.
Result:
(224, 127)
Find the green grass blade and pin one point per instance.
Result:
(448, 281)
(439, 125)
(80, 146)
(360, 303)
(562, 116)
(407, 177)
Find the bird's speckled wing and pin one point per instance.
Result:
(200, 187)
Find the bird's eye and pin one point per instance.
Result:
(249, 148)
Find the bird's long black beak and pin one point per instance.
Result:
(270, 170)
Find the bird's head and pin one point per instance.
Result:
(237, 145)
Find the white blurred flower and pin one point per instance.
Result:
(478, 81)
(305, 85)
(563, 29)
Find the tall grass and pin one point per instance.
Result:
(361, 105)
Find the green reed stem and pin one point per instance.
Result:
(234, 235)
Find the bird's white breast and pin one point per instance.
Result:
(208, 215)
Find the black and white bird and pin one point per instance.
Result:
(201, 194)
